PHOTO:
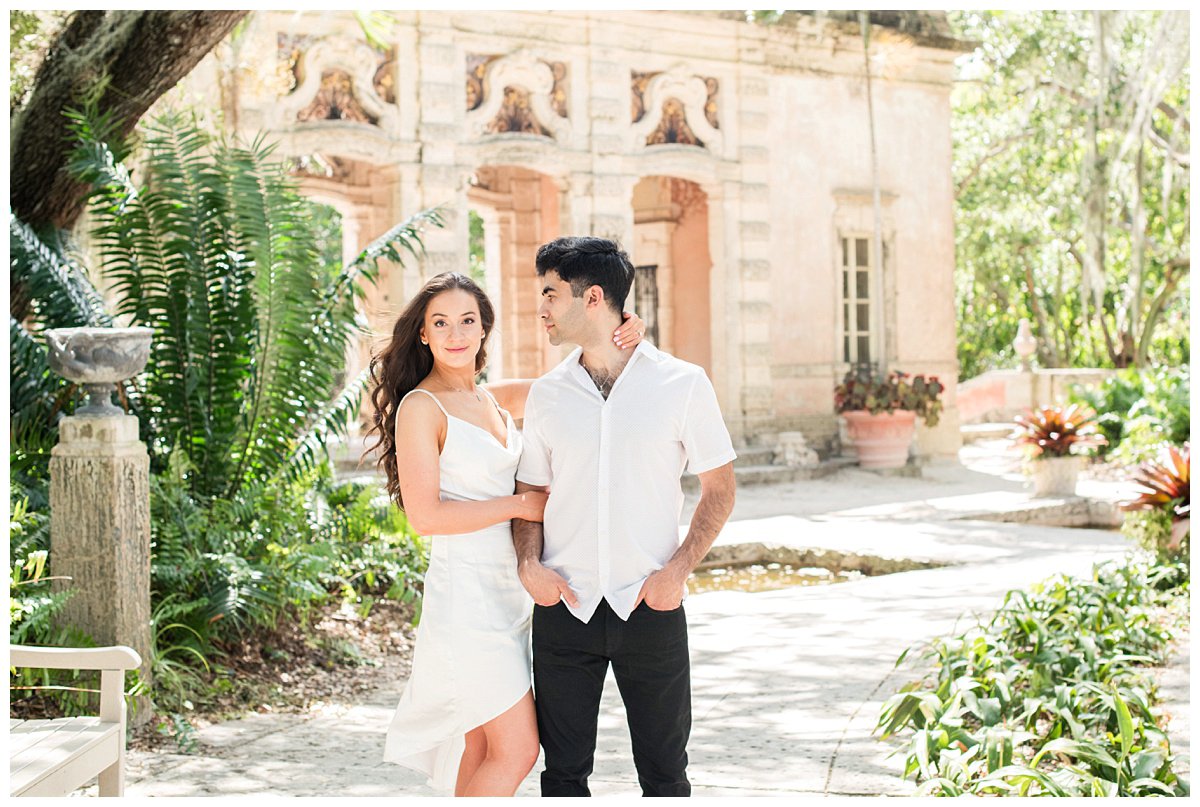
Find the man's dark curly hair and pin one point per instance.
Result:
(586, 261)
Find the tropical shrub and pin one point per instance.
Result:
(1051, 696)
(1055, 431)
(215, 250)
(1159, 519)
(1140, 410)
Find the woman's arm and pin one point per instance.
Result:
(511, 394)
(420, 428)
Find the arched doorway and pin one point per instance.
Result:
(519, 211)
(672, 289)
(356, 204)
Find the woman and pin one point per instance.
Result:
(466, 718)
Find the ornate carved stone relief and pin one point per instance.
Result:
(476, 69)
(710, 103)
(672, 126)
(558, 93)
(674, 107)
(290, 48)
(338, 79)
(516, 93)
(384, 81)
(638, 82)
(515, 115)
(335, 101)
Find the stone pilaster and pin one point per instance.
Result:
(100, 532)
(754, 240)
(441, 94)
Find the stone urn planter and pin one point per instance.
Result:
(881, 411)
(882, 440)
(1055, 476)
(98, 358)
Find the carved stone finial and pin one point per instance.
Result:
(1025, 344)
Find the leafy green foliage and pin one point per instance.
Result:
(216, 250)
(1050, 697)
(1039, 132)
(860, 390)
(1159, 519)
(50, 290)
(1140, 410)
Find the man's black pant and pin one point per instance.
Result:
(649, 656)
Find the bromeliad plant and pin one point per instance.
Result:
(1055, 431)
(860, 390)
(1160, 517)
(1050, 697)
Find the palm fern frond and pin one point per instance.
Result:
(36, 396)
(56, 286)
(297, 343)
(204, 270)
(333, 419)
(405, 235)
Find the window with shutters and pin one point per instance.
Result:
(858, 281)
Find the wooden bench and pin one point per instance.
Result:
(54, 757)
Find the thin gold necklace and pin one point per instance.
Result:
(473, 391)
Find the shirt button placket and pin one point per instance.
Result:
(602, 501)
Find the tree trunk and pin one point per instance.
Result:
(143, 54)
(1095, 182)
(1047, 344)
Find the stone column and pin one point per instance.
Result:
(100, 532)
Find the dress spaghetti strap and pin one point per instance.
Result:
(503, 412)
(430, 394)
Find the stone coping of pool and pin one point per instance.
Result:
(834, 560)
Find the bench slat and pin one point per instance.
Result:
(53, 749)
(57, 734)
(72, 765)
(32, 732)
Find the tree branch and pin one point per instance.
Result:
(995, 151)
(142, 54)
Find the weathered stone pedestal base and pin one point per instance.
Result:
(100, 532)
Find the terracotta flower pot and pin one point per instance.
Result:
(1056, 476)
(881, 440)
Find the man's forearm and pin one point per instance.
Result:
(527, 540)
(712, 511)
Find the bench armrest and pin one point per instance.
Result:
(75, 658)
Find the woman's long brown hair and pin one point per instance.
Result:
(404, 362)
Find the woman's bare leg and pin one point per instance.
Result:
(510, 752)
(472, 758)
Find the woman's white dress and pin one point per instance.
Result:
(471, 662)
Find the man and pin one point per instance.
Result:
(608, 434)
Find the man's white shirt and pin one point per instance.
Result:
(614, 468)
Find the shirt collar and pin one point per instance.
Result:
(644, 351)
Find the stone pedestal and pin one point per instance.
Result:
(100, 532)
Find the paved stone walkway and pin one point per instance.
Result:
(787, 684)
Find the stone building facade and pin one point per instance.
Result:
(732, 160)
